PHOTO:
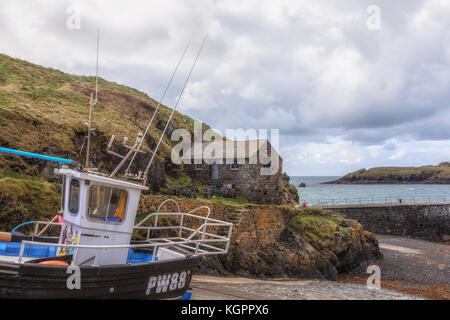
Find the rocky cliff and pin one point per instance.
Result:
(281, 241)
(439, 174)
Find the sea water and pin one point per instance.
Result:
(317, 193)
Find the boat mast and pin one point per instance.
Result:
(91, 104)
(136, 148)
(127, 171)
(172, 113)
(141, 137)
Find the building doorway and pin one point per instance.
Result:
(214, 171)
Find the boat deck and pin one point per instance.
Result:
(9, 252)
(13, 259)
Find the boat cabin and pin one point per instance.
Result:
(97, 210)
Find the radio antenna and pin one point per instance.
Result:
(91, 104)
(133, 151)
(96, 71)
(172, 113)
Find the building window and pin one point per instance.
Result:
(74, 196)
(268, 165)
(107, 204)
(234, 165)
(198, 166)
(63, 194)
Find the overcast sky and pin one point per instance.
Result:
(347, 87)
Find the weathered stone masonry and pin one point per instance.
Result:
(424, 221)
(246, 179)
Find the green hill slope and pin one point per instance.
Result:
(439, 174)
(44, 110)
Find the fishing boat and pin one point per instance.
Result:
(95, 243)
(95, 253)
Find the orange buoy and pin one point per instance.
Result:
(54, 263)
(5, 237)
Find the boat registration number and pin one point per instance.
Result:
(167, 282)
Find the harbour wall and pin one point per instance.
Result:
(428, 221)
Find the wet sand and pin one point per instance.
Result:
(411, 266)
(216, 288)
(411, 269)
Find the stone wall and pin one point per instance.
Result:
(424, 221)
(247, 181)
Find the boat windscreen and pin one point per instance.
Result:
(107, 204)
(74, 196)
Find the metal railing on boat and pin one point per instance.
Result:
(208, 243)
(201, 230)
(155, 247)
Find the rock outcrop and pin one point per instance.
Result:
(281, 241)
(290, 192)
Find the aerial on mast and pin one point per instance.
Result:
(91, 104)
(96, 70)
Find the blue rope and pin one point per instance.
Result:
(22, 224)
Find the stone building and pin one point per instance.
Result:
(244, 172)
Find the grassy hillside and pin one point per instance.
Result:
(439, 174)
(44, 110)
(23, 199)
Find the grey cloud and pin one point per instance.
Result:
(390, 147)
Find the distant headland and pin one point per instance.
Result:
(439, 174)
